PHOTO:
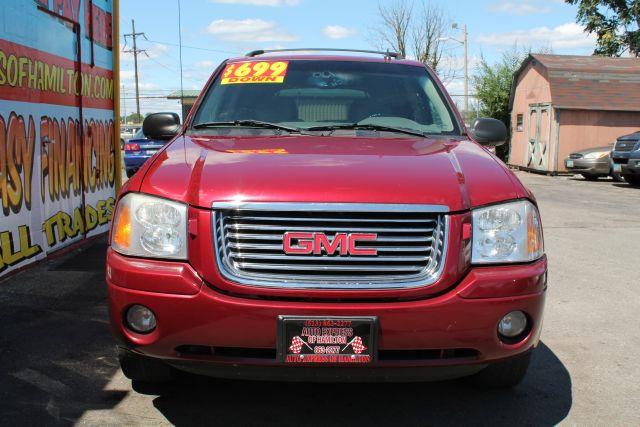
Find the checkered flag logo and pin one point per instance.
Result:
(357, 345)
(296, 345)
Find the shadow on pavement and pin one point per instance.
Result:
(56, 349)
(544, 398)
(57, 355)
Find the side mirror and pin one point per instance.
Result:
(489, 132)
(161, 126)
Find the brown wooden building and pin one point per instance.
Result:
(561, 103)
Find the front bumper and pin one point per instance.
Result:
(190, 314)
(589, 166)
(632, 167)
(621, 160)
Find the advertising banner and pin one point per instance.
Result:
(59, 151)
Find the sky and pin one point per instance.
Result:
(213, 30)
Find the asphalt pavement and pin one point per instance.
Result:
(58, 362)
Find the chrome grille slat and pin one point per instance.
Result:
(267, 227)
(261, 246)
(279, 237)
(318, 219)
(411, 245)
(332, 259)
(326, 267)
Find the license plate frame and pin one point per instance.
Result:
(363, 327)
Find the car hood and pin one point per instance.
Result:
(631, 137)
(201, 170)
(607, 149)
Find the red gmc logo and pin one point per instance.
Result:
(342, 243)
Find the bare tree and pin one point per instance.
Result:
(428, 33)
(421, 33)
(395, 22)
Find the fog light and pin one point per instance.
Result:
(141, 319)
(512, 324)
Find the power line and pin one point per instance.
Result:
(135, 52)
(195, 47)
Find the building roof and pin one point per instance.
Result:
(589, 82)
(193, 94)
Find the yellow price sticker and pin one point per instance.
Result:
(255, 72)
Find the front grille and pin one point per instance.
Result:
(624, 146)
(576, 156)
(410, 244)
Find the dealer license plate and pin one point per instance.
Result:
(327, 340)
(569, 163)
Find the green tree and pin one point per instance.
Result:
(616, 23)
(134, 118)
(492, 84)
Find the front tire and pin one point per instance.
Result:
(590, 177)
(634, 180)
(506, 374)
(144, 369)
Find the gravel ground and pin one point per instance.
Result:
(58, 365)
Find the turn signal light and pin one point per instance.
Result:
(122, 227)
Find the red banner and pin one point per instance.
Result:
(31, 75)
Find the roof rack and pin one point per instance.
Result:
(386, 54)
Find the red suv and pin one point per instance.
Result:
(326, 218)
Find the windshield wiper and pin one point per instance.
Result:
(247, 123)
(368, 126)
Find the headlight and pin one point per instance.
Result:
(149, 226)
(510, 232)
(596, 155)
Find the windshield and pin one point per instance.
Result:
(306, 94)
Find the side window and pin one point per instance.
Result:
(519, 123)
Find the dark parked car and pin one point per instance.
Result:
(138, 150)
(592, 163)
(625, 149)
(632, 171)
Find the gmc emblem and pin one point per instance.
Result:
(314, 243)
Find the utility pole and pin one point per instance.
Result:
(466, 70)
(465, 44)
(182, 112)
(135, 52)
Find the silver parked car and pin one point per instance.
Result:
(592, 163)
(127, 132)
